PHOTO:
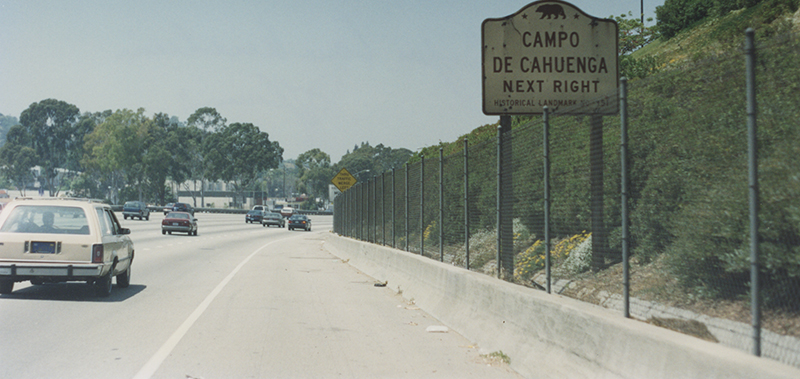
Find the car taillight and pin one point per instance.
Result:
(97, 253)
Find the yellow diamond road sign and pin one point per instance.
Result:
(344, 180)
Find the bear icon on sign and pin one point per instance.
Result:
(549, 10)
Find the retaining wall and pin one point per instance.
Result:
(545, 335)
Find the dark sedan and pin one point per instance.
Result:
(254, 216)
(182, 222)
(300, 222)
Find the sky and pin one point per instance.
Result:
(326, 74)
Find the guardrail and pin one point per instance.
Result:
(118, 208)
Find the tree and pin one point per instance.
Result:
(6, 122)
(676, 15)
(116, 149)
(167, 155)
(315, 172)
(366, 161)
(239, 152)
(633, 35)
(207, 121)
(17, 159)
(50, 126)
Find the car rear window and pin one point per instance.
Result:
(46, 219)
(178, 215)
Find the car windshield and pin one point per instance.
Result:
(178, 215)
(46, 219)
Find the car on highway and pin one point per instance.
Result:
(253, 216)
(52, 240)
(136, 209)
(183, 222)
(168, 208)
(272, 218)
(287, 212)
(183, 207)
(300, 222)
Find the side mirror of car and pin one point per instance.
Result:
(124, 231)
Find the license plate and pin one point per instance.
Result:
(43, 247)
(176, 224)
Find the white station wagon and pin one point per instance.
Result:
(61, 240)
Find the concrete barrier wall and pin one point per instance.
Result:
(544, 335)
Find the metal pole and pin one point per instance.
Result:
(752, 155)
(505, 200)
(441, 204)
(498, 194)
(393, 214)
(623, 117)
(466, 201)
(368, 201)
(383, 208)
(599, 236)
(362, 235)
(406, 215)
(422, 205)
(546, 143)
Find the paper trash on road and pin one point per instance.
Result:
(437, 329)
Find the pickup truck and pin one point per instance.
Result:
(55, 240)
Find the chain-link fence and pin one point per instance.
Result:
(543, 202)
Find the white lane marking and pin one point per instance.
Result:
(155, 362)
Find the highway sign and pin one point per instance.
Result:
(344, 180)
(550, 54)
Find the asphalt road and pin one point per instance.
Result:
(237, 301)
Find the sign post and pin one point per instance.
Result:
(550, 54)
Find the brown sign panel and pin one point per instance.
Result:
(550, 54)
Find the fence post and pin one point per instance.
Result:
(752, 156)
(466, 201)
(422, 205)
(394, 229)
(383, 208)
(505, 196)
(497, 206)
(364, 212)
(599, 238)
(546, 146)
(623, 153)
(406, 214)
(441, 204)
(367, 235)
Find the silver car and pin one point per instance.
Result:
(272, 218)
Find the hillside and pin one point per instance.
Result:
(688, 184)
